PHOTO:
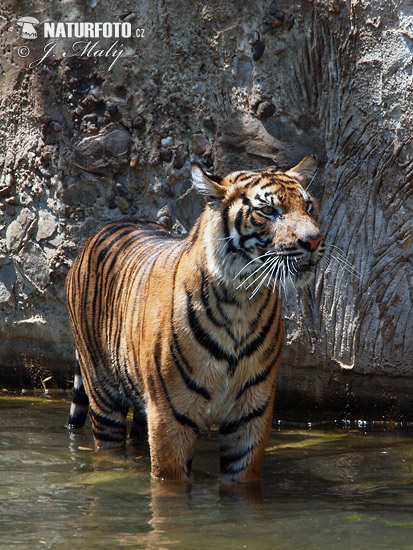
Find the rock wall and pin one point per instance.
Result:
(88, 137)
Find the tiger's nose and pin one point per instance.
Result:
(311, 242)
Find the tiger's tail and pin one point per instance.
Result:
(80, 401)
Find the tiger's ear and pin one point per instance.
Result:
(305, 169)
(205, 185)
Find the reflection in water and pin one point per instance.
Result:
(321, 488)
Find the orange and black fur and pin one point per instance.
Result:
(188, 331)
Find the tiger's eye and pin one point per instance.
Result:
(268, 210)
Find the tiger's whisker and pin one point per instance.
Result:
(289, 270)
(268, 266)
(264, 277)
(342, 263)
(268, 253)
(284, 275)
(339, 255)
(260, 268)
(275, 266)
(276, 275)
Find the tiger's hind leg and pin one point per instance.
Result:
(108, 425)
(243, 442)
(80, 401)
(108, 406)
(108, 410)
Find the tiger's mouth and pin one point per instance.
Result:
(276, 270)
(300, 275)
(306, 267)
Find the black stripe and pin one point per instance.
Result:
(148, 236)
(230, 248)
(133, 254)
(288, 183)
(255, 344)
(232, 365)
(270, 184)
(110, 422)
(206, 304)
(255, 322)
(203, 338)
(172, 251)
(227, 319)
(175, 340)
(225, 296)
(190, 383)
(238, 220)
(255, 235)
(231, 427)
(133, 390)
(134, 238)
(181, 418)
(245, 200)
(243, 176)
(256, 223)
(179, 349)
(107, 406)
(227, 461)
(261, 376)
(225, 220)
(108, 231)
(262, 175)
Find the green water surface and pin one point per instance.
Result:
(328, 487)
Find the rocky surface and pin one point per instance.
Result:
(228, 85)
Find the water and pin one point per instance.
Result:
(322, 488)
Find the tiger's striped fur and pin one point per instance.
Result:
(188, 331)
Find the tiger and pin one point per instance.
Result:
(188, 330)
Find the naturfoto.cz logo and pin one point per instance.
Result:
(91, 33)
(28, 25)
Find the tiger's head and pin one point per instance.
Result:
(262, 227)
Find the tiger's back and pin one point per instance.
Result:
(114, 263)
(166, 325)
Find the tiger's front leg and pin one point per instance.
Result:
(171, 442)
(243, 442)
